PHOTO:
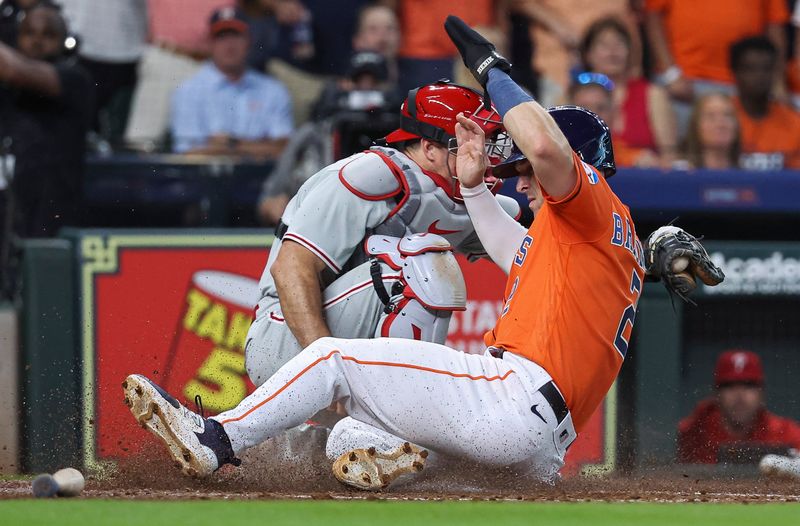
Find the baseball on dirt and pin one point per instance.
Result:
(67, 482)
(680, 264)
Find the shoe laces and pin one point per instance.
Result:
(198, 402)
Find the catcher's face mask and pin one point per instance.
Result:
(498, 147)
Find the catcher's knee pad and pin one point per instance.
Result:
(430, 288)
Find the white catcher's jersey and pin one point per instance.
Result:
(380, 191)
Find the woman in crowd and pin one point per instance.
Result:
(643, 123)
(713, 140)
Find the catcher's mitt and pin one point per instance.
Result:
(677, 258)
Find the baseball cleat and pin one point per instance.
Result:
(780, 466)
(198, 446)
(369, 469)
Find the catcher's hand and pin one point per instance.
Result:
(677, 258)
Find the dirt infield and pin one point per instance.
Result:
(281, 478)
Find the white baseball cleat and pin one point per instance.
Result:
(780, 466)
(198, 446)
(369, 469)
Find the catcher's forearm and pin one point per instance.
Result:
(500, 235)
(296, 278)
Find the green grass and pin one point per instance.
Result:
(382, 513)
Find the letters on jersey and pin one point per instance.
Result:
(572, 291)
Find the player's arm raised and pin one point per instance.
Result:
(538, 136)
(534, 132)
(499, 233)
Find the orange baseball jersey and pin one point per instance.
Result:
(571, 296)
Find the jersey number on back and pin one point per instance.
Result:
(628, 316)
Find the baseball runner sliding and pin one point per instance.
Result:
(575, 278)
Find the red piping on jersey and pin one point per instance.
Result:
(343, 295)
(362, 362)
(357, 288)
(361, 194)
(313, 248)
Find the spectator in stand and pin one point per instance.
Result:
(559, 25)
(643, 123)
(178, 31)
(426, 53)
(227, 108)
(690, 42)
(734, 424)
(263, 30)
(112, 39)
(11, 13)
(378, 30)
(365, 88)
(593, 91)
(314, 44)
(713, 140)
(45, 108)
(770, 128)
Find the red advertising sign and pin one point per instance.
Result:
(177, 309)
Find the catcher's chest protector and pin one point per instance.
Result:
(426, 207)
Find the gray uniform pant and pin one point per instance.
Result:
(352, 310)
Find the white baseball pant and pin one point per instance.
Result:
(476, 407)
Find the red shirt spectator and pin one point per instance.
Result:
(736, 416)
(643, 123)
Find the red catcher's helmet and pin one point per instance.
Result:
(429, 112)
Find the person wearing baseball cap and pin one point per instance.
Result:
(734, 424)
(227, 108)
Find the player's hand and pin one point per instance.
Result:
(471, 161)
(479, 54)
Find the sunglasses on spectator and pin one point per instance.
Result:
(587, 77)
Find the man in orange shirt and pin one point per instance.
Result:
(770, 129)
(574, 279)
(690, 42)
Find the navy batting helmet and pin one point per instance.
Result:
(587, 134)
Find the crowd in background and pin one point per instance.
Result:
(682, 84)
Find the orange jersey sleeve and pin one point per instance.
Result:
(570, 300)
